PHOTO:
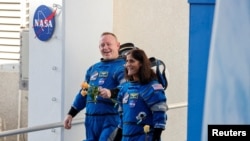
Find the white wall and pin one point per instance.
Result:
(45, 77)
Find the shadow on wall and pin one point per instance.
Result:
(13, 102)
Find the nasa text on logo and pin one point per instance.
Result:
(44, 22)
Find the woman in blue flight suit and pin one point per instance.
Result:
(142, 101)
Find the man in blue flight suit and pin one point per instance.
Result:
(101, 113)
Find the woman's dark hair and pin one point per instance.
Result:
(145, 73)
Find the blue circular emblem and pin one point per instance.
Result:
(101, 81)
(44, 22)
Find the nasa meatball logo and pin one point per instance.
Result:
(44, 22)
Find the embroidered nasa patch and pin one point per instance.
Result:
(94, 76)
(125, 98)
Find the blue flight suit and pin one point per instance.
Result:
(141, 105)
(101, 115)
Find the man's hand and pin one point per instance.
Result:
(67, 122)
(105, 93)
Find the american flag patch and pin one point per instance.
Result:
(157, 87)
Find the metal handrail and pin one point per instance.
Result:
(177, 105)
(60, 124)
(38, 128)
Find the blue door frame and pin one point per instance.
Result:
(200, 29)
